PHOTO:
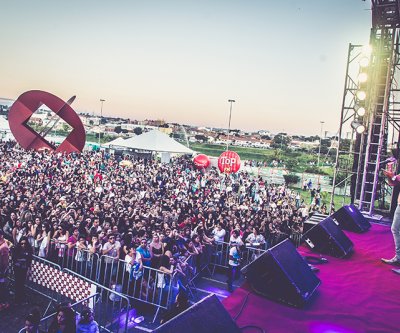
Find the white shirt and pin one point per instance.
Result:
(128, 260)
(235, 254)
(219, 235)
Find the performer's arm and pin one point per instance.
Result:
(393, 179)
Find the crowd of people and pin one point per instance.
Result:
(143, 212)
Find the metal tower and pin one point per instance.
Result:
(370, 110)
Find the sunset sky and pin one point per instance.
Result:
(282, 61)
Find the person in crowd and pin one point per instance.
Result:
(156, 251)
(22, 256)
(64, 321)
(111, 252)
(32, 321)
(233, 263)
(60, 238)
(219, 234)
(4, 258)
(81, 255)
(145, 253)
(255, 238)
(43, 240)
(236, 237)
(87, 324)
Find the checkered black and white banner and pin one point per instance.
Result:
(63, 283)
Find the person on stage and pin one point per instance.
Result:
(394, 180)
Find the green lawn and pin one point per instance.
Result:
(338, 200)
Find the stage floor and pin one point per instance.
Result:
(357, 294)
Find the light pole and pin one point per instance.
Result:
(320, 141)
(229, 125)
(101, 116)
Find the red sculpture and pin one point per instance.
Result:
(229, 162)
(27, 104)
(201, 161)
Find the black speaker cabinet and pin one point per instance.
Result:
(208, 315)
(350, 218)
(312, 221)
(281, 274)
(327, 238)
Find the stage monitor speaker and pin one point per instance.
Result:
(281, 274)
(208, 315)
(327, 238)
(350, 218)
(313, 220)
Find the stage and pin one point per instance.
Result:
(357, 294)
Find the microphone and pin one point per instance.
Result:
(387, 161)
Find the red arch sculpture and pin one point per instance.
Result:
(27, 104)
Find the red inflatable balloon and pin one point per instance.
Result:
(201, 161)
(229, 162)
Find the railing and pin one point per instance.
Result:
(39, 288)
(153, 286)
(220, 255)
(81, 261)
(113, 309)
(77, 307)
(296, 238)
(118, 289)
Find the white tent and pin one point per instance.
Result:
(118, 142)
(4, 126)
(5, 132)
(156, 141)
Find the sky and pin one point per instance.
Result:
(283, 62)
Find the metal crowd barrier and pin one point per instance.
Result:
(81, 261)
(40, 289)
(296, 238)
(113, 309)
(220, 255)
(77, 307)
(153, 287)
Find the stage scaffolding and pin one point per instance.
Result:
(370, 116)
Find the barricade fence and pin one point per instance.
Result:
(113, 310)
(220, 255)
(119, 287)
(81, 261)
(150, 285)
(77, 307)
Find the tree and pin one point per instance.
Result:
(280, 141)
(138, 130)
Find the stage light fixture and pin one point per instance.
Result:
(366, 50)
(364, 62)
(362, 77)
(361, 95)
(359, 128)
(360, 110)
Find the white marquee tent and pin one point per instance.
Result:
(5, 131)
(155, 141)
(114, 143)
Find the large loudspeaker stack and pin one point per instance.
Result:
(327, 238)
(313, 221)
(281, 274)
(350, 218)
(208, 315)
